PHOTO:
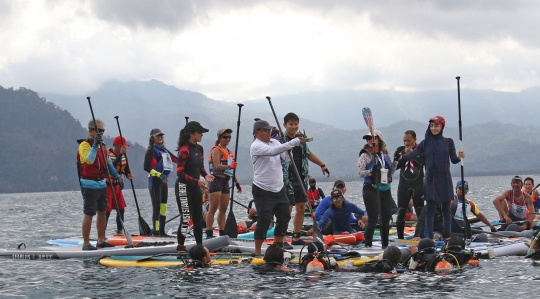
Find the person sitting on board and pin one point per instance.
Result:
(528, 186)
(357, 224)
(314, 193)
(199, 257)
(92, 174)
(275, 258)
(458, 222)
(301, 156)
(269, 191)
(339, 213)
(515, 205)
(117, 154)
(390, 259)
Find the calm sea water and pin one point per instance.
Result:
(34, 218)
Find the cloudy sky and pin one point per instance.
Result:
(236, 50)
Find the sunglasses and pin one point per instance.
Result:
(101, 130)
(226, 137)
(463, 188)
(337, 198)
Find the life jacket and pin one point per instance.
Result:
(95, 171)
(120, 167)
(225, 156)
(387, 165)
(164, 160)
(313, 195)
(520, 210)
(456, 207)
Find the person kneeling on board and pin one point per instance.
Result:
(390, 259)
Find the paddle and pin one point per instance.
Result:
(468, 233)
(106, 161)
(316, 231)
(144, 228)
(230, 224)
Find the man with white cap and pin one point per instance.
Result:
(268, 189)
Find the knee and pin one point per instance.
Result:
(301, 206)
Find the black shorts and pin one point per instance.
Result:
(270, 204)
(219, 184)
(297, 196)
(94, 200)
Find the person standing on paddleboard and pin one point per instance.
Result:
(92, 174)
(301, 154)
(221, 165)
(118, 158)
(269, 192)
(411, 181)
(189, 171)
(158, 162)
(376, 168)
(438, 188)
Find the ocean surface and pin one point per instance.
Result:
(34, 218)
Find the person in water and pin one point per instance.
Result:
(117, 154)
(91, 169)
(274, 258)
(199, 258)
(458, 220)
(411, 182)
(269, 192)
(375, 166)
(314, 193)
(158, 162)
(221, 165)
(301, 155)
(326, 203)
(424, 257)
(515, 205)
(391, 258)
(190, 169)
(340, 213)
(438, 151)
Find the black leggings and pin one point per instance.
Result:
(159, 194)
(405, 191)
(118, 218)
(374, 206)
(194, 197)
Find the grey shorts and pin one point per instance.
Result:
(94, 200)
(219, 184)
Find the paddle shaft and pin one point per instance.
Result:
(144, 228)
(106, 166)
(468, 232)
(316, 231)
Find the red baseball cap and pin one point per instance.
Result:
(118, 140)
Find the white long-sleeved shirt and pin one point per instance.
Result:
(266, 160)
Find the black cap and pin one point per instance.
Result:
(336, 193)
(195, 126)
(312, 180)
(339, 182)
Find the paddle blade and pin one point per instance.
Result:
(230, 225)
(144, 228)
(368, 118)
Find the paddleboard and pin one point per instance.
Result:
(66, 252)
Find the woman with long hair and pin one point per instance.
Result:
(189, 171)
(438, 188)
(375, 166)
(158, 162)
(221, 165)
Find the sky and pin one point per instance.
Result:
(237, 50)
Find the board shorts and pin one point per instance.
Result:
(119, 198)
(297, 196)
(94, 200)
(219, 184)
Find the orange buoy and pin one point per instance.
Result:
(443, 267)
(359, 236)
(329, 240)
(314, 266)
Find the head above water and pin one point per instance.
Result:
(393, 254)
(273, 254)
(425, 243)
(200, 253)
